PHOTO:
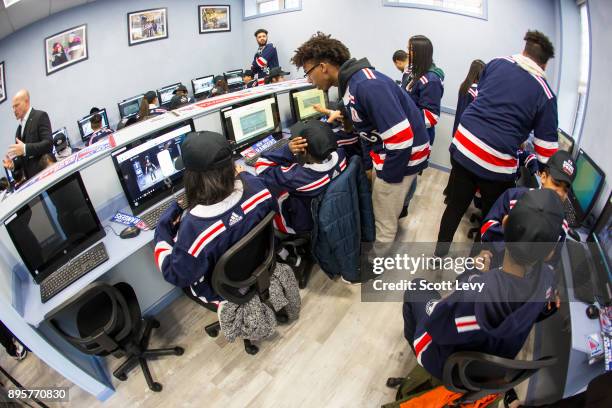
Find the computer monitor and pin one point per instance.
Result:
(587, 185)
(302, 102)
(566, 142)
(85, 124)
(130, 107)
(602, 238)
(234, 77)
(247, 122)
(146, 167)
(165, 94)
(54, 227)
(203, 86)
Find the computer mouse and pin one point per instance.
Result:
(129, 232)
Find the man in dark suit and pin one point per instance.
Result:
(32, 139)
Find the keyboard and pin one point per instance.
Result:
(250, 161)
(570, 214)
(73, 270)
(582, 279)
(151, 218)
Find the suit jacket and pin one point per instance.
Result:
(37, 137)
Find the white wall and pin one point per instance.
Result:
(114, 70)
(596, 137)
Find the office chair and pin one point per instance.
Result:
(244, 271)
(476, 374)
(109, 321)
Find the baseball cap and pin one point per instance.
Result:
(562, 167)
(181, 87)
(277, 71)
(60, 142)
(534, 226)
(150, 96)
(203, 151)
(248, 72)
(177, 101)
(319, 136)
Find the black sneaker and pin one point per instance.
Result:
(442, 249)
(509, 398)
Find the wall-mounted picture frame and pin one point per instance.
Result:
(214, 18)
(2, 83)
(66, 48)
(147, 25)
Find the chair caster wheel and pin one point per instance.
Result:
(302, 282)
(252, 349)
(282, 318)
(121, 377)
(211, 332)
(179, 351)
(155, 324)
(156, 387)
(394, 382)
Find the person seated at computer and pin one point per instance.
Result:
(224, 204)
(181, 91)
(497, 319)
(62, 148)
(177, 101)
(247, 78)
(558, 176)
(343, 128)
(276, 75)
(220, 87)
(149, 107)
(301, 171)
(99, 133)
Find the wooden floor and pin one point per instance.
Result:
(338, 354)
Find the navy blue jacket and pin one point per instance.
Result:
(343, 219)
(98, 135)
(463, 101)
(264, 59)
(427, 92)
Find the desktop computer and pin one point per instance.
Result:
(252, 127)
(302, 102)
(85, 124)
(234, 79)
(165, 94)
(566, 142)
(129, 107)
(585, 189)
(51, 233)
(203, 86)
(146, 170)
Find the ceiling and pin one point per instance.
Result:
(26, 12)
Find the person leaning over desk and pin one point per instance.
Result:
(32, 138)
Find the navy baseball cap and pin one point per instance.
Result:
(562, 167)
(177, 101)
(150, 96)
(203, 151)
(319, 136)
(181, 87)
(534, 226)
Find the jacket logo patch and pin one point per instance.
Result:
(335, 174)
(429, 307)
(354, 116)
(234, 218)
(568, 168)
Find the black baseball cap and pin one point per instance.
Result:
(534, 226)
(248, 72)
(319, 136)
(181, 87)
(150, 96)
(218, 78)
(277, 71)
(562, 167)
(177, 101)
(60, 142)
(203, 151)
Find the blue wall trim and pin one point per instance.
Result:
(484, 16)
(448, 110)
(439, 167)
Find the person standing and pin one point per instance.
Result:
(384, 115)
(266, 57)
(32, 139)
(400, 60)
(513, 100)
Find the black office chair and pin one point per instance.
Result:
(244, 271)
(109, 321)
(477, 375)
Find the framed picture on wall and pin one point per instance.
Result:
(214, 19)
(66, 48)
(147, 25)
(2, 83)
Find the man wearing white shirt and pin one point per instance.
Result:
(32, 139)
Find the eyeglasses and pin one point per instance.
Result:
(307, 73)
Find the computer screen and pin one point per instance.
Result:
(146, 167)
(303, 102)
(54, 227)
(165, 94)
(587, 184)
(85, 124)
(602, 237)
(566, 142)
(233, 77)
(249, 121)
(203, 85)
(130, 106)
